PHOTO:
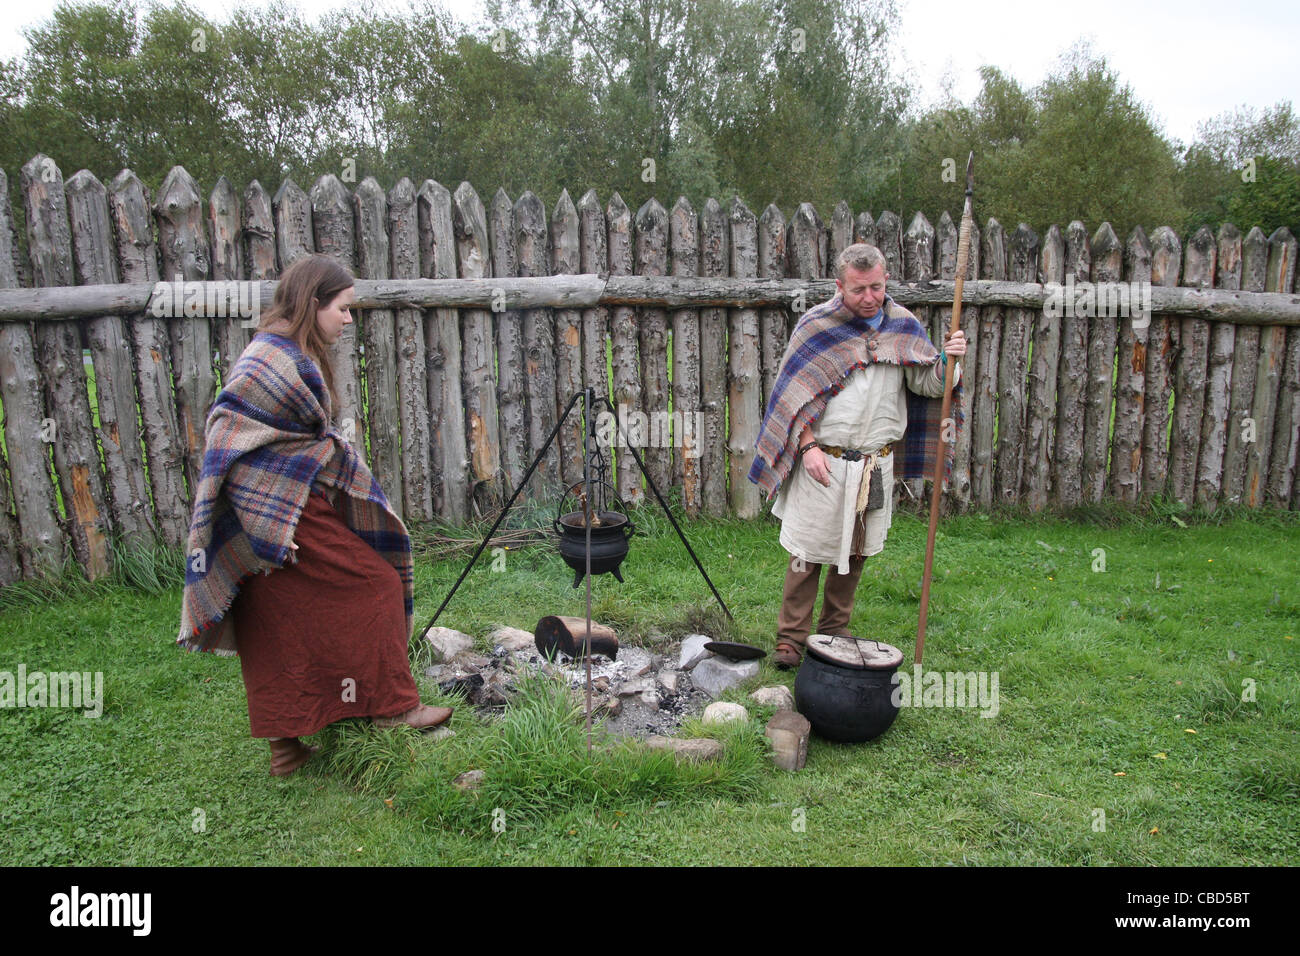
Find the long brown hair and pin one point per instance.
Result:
(307, 285)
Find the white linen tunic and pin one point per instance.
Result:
(870, 411)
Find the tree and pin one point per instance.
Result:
(1077, 146)
(1244, 167)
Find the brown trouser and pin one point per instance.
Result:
(795, 619)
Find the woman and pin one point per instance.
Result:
(322, 630)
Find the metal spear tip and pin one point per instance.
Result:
(970, 173)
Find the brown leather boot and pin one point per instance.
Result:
(421, 717)
(288, 754)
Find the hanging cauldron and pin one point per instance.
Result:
(610, 531)
(845, 688)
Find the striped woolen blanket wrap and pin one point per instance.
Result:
(829, 342)
(269, 438)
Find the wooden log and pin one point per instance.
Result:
(479, 384)
(1162, 340)
(713, 366)
(449, 475)
(230, 335)
(110, 354)
(1040, 421)
(1286, 410)
(1268, 372)
(1099, 394)
(258, 234)
(164, 449)
(1215, 421)
(183, 242)
(11, 568)
(1130, 383)
(412, 366)
(1019, 260)
(624, 349)
(11, 565)
(566, 259)
(508, 329)
(594, 251)
(918, 266)
(569, 635)
(776, 323)
(652, 260)
(589, 291)
(804, 259)
(864, 228)
(334, 233)
(1241, 432)
(34, 540)
(744, 376)
(978, 372)
(76, 455)
(539, 348)
(684, 247)
(1072, 379)
(1189, 374)
(889, 235)
(379, 332)
(293, 233)
(841, 234)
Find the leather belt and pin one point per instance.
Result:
(853, 454)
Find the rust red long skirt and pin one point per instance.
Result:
(323, 639)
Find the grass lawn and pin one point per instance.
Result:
(1121, 737)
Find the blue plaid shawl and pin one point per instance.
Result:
(828, 343)
(269, 438)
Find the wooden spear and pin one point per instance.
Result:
(947, 428)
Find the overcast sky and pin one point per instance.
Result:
(1187, 60)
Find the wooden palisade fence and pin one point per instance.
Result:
(458, 383)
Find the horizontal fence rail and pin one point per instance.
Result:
(1097, 369)
(213, 299)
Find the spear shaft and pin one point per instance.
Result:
(947, 428)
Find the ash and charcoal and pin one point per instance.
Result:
(639, 694)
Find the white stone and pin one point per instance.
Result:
(448, 643)
(634, 661)
(513, 639)
(634, 687)
(778, 697)
(721, 711)
(650, 700)
(693, 651)
(668, 679)
(469, 780)
(694, 749)
(713, 675)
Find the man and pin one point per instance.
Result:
(857, 393)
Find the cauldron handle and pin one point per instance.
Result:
(558, 530)
(631, 528)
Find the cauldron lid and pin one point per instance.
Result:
(854, 653)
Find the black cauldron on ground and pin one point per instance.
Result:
(845, 688)
(610, 532)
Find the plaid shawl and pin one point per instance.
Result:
(269, 438)
(829, 342)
